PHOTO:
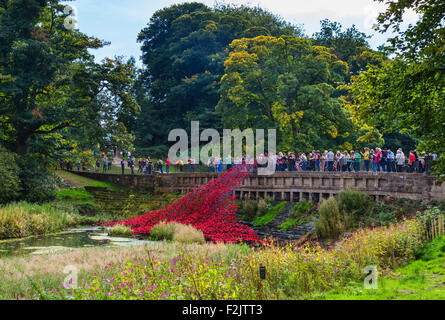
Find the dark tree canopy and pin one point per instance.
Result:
(183, 51)
(51, 89)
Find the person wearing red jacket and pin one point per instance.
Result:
(378, 158)
(412, 160)
(167, 165)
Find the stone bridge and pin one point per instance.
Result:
(293, 186)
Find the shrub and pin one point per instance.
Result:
(187, 234)
(353, 201)
(120, 230)
(38, 184)
(9, 173)
(332, 222)
(162, 231)
(264, 205)
(249, 209)
(173, 231)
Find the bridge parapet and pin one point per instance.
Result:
(294, 186)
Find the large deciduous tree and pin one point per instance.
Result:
(50, 85)
(183, 52)
(289, 84)
(409, 91)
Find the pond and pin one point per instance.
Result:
(66, 240)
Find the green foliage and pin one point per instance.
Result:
(297, 215)
(270, 214)
(183, 52)
(24, 219)
(407, 94)
(302, 207)
(350, 46)
(292, 272)
(353, 202)
(162, 231)
(249, 209)
(264, 205)
(77, 195)
(430, 214)
(285, 83)
(332, 222)
(120, 230)
(9, 173)
(252, 209)
(48, 78)
(177, 232)
(418, 280)
(38, 184)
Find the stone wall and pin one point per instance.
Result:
(293, 186)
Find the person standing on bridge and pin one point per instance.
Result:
(110, 162)
(105, 161)
(228, 162)
(391, 161)
(366, 158)
(357, 161)
(411, 161)
(161, 166)
(330, 159)
(167, 165)
(377, 158)
(400, 160)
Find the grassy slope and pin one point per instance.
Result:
(80, 181)
(423, 279)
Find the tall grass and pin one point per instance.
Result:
(24, 219)
(291, 272)
(176, 232)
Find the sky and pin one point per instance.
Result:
(119, 22)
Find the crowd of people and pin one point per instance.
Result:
(378, 160)
(370, 160)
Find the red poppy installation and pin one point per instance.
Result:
(210, 208)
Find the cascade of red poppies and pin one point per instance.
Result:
(210, 208)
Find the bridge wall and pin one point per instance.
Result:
(293, 186)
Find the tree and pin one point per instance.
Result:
(50, 85)
(183, 51)
(289, 84)
(408, 93)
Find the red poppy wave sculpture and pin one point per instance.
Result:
(210, 208)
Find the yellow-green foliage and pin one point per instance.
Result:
(176, 232)
(120, 230)
(24, 219)
(332, 222)
(291, 272)
(353, 202)
(188, 234)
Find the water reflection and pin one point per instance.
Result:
(67, 240)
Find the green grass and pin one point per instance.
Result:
(297, 216)
(423, 279)
(75, 195)
(270, 215)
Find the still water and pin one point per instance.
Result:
(67, 240)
